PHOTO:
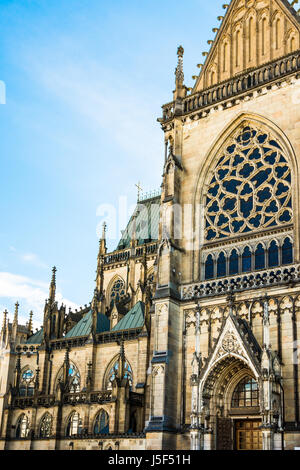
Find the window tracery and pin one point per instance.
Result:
(46, 426)
(22, 427)
(246, 394)
(101, 425)
(74, 426)
(113, 373)
(73, 376)
(26, 388)
(250, 188)
(117, 291)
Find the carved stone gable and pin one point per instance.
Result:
(252, 33)
(232, 342)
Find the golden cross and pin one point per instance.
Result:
(140, 189)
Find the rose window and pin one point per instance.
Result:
(251, 187)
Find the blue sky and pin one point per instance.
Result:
(85, 81)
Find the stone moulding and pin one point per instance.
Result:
(249, 80)
(241, 282)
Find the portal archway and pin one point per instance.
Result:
(230, 406)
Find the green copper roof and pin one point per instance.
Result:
(84, 326)
(36, 338)
(147, 223)
(133, 319)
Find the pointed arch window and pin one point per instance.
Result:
(209, 268)
(26, 388)
(287, 252)
(246, 260)
(101, 425)
(221, 265)
(117, 291)
(246, 394)
(46, 426)
(113, 373)
(234, 263)
(273, 255)
(22, 427)
(260, 261)
(74, 426)
(73, 377)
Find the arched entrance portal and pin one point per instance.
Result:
(230, 411)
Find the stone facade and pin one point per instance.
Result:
(215, 362)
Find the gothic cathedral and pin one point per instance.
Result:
(192, 338)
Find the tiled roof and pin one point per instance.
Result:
(84, 326)
(36, 338)
(147, 223)
(133, 319)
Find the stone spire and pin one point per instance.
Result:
(15, 322)
(102, 247)
(180, 91)
(52, 290)
(179, 69)
(30, 325)
(5, 313)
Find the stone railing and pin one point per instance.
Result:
(151, 248)
(265, 278)
(124, 255)
(47, 400)
(249, 80)
(111, 336)
(71, 342)
(83, 397)
(101, 397)
(117, 257)
(23, 402)
(75, 398)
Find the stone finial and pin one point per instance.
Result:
(102, 243)
(179, 69)
(52, 290)
(5, 313)
(30, 325)
(104, 228)
(16, 313)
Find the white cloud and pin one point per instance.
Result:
(34, 260)
(31, 295)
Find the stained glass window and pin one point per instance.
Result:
(101, 425)
(246, 260)
(287, 252)
(74, 426)
(273, 255)
(260, 262)
(233, 263)
(246, 394)
(250, 188)
(74, 378)
(26, 388)
(46, 426)
(221, 265)
(117, 291)
(22, 428)
(209, 267)
(114, 372)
